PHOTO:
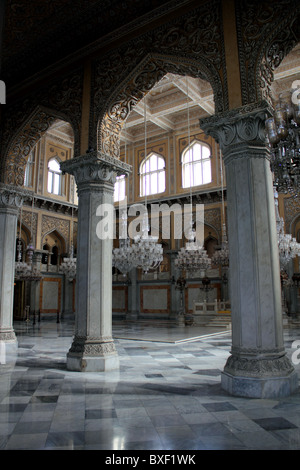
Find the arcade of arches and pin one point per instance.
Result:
(204, 73)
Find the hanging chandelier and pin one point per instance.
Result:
(193, 257)
(283, 132)
(288, 247)
(146, 253)
(221, 257)
(122, 256)
(69, 265)
(26, 271)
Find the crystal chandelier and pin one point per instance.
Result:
(193, 257)
(122, 256)
(283, 132)
(221, 257)
(146, 253)
(288, 247)
(69, 265)
(25, 271)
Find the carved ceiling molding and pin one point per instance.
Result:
(25, 122)
(191, 45)
(266, 32)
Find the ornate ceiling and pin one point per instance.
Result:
(39, 33)
(168, 102)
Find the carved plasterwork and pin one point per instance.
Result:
(239, 129)
(12, 196)
(212, 217)
(62, 226)
(95, 167)
(95, 347)
(26, 121)
(30, 220)
(257, 367)
(266, 32)
(291, 212)
(191, 45)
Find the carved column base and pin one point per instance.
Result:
(7, 335)
(259, 378)
(92, 355)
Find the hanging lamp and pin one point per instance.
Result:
(288, 247)
(69, 264)
(122, 256)
(193, 257)
(221, 256)
(25, 271)
(147, 254)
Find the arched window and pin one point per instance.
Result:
(28, 177)
(196, 165)
(152, 175)
(55, 177)
(120, 188)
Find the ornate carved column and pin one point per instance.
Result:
(93, 348)
(11, 199)
(258, 365)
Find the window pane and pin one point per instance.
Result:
(153, 184)
(206, 172)
(205, 152)
(196, 166)
(56, 184)
(160, 163)
(50, 178)
(161, 182)
(119, 193)
(54, 165)
(152, 179)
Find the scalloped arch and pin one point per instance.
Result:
(131, 90)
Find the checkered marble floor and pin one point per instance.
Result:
(165, 396)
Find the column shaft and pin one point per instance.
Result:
(258, 365)
(93, 348)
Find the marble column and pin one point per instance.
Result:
(93, 348)
(11, 199)
(258, 365)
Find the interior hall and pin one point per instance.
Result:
(149, 225)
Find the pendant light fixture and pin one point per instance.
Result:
(147, 254)
(69, 265)
(193, 257)
(221, 256)
(122, 256)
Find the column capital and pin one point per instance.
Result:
(12, 197)
(95, 167)
(238, 129)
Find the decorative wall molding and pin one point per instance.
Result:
(25, 122)
(190, 45)
(266, 33)
(95, 167)
(62, 226)
(240, 129)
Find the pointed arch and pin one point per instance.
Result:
(15, 155)
(134, 87)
